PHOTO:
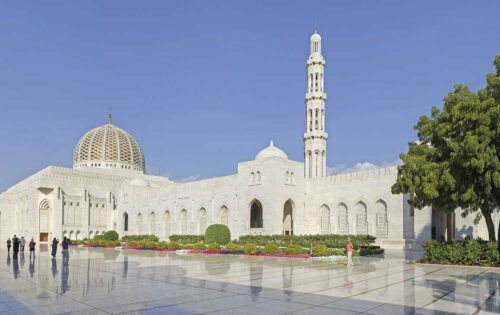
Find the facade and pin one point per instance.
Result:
(107, 189)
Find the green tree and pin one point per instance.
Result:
(456, 161)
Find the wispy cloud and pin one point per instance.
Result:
(358, 167)
(188, 179)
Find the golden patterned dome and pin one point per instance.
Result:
(109, 147)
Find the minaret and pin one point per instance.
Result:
(315, 136)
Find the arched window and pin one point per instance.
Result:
(256, 220)
(139, 223)
(258, 177)
(184, 224)
(166, 228)
(125, 222)
(361, 222)
(325, 220)
(202, 225)
(343, 219)
(224, 215)
(152, 223)
(311, 82)
(381, 224)
(316, 119)
(77, 236)
(316, 80)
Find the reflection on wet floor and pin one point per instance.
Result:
(112, 281)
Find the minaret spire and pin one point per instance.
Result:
(315, 135)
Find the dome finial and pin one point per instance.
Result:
(110, 117)
(271, 144)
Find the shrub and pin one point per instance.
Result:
(112, 243)
(150, 245)
(111, 236)
(173, 245)
(140, 238)
(218, 233)
(490, 253)
(336, 252)
(214, 246)
(186, 238)
(320, 250)
(250, 248)
(270, 249)
(98, 237)
(161, 245)
(233, 247)
(470, 252)
(370, 250)
(294, 250)
(199, 246)
(132, 244)
(330, 240)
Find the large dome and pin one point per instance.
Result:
(108, 147)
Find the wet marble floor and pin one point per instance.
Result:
(108, 281)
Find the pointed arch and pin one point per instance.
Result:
(325, 219)
(139, 223)
(343, 218)
(184, 225)
(361, 218)
(202, 223)
(125, 222)
(44, 204)
(288, 217)
(381, 221)
(256, 214)
(224, 215)
(166, 223)
(152, 223)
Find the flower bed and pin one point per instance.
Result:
(100, 246)
(283, 255)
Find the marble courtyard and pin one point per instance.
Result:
(109, 281)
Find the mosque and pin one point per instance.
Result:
(108, 189)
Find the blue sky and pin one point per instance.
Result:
(204, 84)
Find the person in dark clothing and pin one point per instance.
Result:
(54, 247)
(9, 244)
(65, 252)
(15, 246)
(32, 247)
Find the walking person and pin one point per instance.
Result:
(54, 247)
(9, 243)
(31, 245)
(23, 242)
(348, 249)
(65, 252)
(15, 246)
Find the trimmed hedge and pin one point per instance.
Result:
(270, 249)
(140, 238)
(199, 246)
(213, 246)
(186, 238)
(320, 250)
(295, 250)
(470, 252)
(330, 240)
(218, 233)
(232, 247)
(111, 236)
(250, 248)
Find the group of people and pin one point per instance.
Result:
(65, 249)
(18, 244)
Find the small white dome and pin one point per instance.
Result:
(315, 37)
(271, 152)
(140, 181)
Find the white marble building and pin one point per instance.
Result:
(107, 189)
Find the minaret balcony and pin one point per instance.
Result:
(316, 95)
